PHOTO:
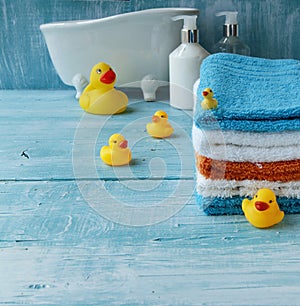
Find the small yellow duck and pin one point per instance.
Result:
(262, 211)
(160, 126)
(208, 102)
(100, 97)
(116, 153)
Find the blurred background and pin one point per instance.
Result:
(270, 27)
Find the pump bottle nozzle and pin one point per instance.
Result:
(189, 33)
(231, 16)
(230, 27)
(189, 21)
(230, 42)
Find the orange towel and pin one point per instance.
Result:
(284, 171)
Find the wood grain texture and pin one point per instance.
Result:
(55, 248)
(79, 132)
(269, 27)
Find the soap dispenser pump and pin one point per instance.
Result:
(184, 64)
(231, 42)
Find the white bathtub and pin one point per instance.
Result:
(135, 44)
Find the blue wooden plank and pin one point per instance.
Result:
(143, 278)
(58, 130)
(55, 250)
(50, 213)
(41, 211)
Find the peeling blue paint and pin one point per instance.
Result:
(269, 27)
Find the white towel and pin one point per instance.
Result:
(245, 188)
(245, 146)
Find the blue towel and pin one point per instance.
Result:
(254, 94)
(233, 205)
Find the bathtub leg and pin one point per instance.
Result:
(149, 85)
(79, 82)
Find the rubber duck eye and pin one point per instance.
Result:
(210, 90)
(98, 71)
(114, 141)
(270, 201)
(256, 195)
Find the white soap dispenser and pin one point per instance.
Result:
(231, 43)
(184, 64)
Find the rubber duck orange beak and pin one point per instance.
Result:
(108, 77)
(261, 206)
(204, 93)
(123, 144)
(155, 118)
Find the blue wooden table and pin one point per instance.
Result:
(75, 231)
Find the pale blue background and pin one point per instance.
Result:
(270, 27)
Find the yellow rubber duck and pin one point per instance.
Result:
(262, 211)
(160, 126)
(208, 102)
(116, 153)
(100, 97)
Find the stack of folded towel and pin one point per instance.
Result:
(252, 139)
